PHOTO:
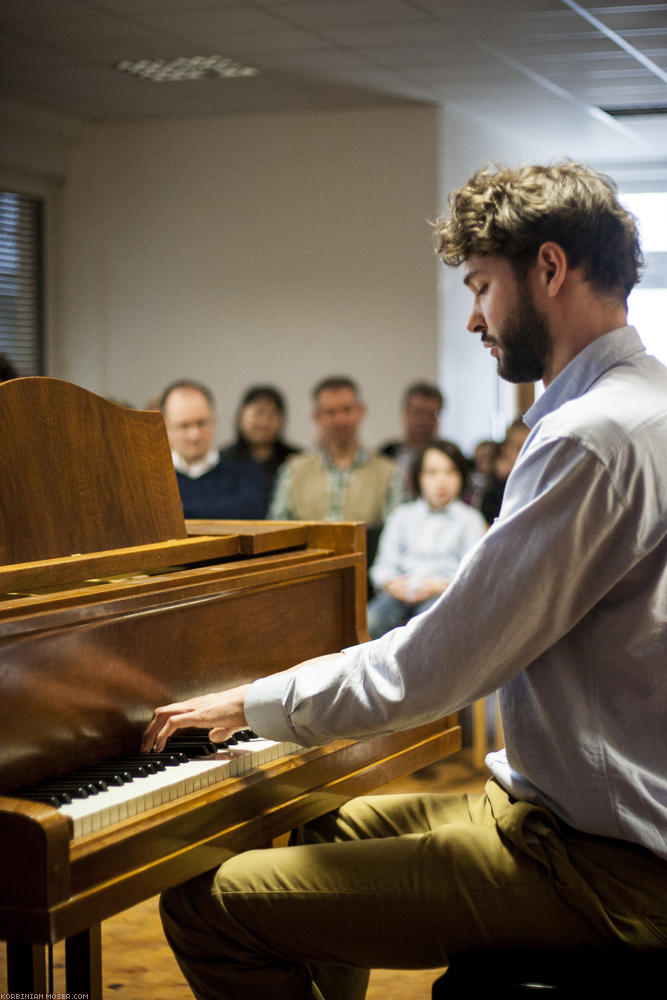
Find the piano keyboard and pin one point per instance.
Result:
(186, 766)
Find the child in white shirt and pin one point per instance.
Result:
(423, 541)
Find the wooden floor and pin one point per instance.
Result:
(138, 964)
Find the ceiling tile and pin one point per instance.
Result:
(511, 62)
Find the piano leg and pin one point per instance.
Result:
(27, 967)
(83, 963)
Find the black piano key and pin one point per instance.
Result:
(77, 786)
(77, 791)
(173, 759)
(192, 748)
(129, 770)
(126, 768)
(138, 771)
(56, 799)
(110, 776)
(98, 777)
(122, 773)
(201, 750)
(152, 764)
(101, 782)
(170, 758)
(193, 735)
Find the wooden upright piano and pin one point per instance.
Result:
(110, 604)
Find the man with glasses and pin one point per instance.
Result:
(210, 487)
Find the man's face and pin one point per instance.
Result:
(505, 315)
(338, 414)
(420, 419)
(190, 423)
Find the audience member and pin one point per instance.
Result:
(423, 541)
(259, 425)
(422, 406)
(481, 472)
(339, 480)
(507, 454)
(210, 487)
(7, 369)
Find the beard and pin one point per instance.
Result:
(525, 342)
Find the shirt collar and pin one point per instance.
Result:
(585, 368)
(426, 508)
(196, 469)
(361, 458)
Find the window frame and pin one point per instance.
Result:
(48, 191)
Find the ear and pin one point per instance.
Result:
(552, 267)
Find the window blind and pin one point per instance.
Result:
(21, 284)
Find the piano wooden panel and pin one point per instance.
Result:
(77, 469)
(153, 649)
(172, 610)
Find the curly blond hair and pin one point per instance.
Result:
(511, 211)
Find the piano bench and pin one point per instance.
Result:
(507, 974)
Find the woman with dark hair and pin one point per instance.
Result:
(260, 419)
(423, 542)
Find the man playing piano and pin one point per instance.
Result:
(561, 606)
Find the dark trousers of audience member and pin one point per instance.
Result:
(386, 612)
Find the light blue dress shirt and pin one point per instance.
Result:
(418, 542)
(562, 606)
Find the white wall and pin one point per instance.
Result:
(242, 249)
(479, 404)
(34, 142)
(278, 247)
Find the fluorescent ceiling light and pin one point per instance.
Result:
(185, 68)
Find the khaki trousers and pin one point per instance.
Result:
(408, 881)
